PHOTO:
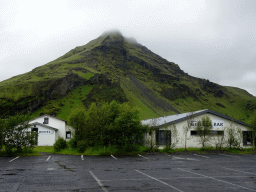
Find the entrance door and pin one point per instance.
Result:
(35, 129)
(247, 138)
(163, 137)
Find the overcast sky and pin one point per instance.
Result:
(212, 39)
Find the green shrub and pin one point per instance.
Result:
(82, 145)
(130, 148)
(60, 144)
(72, 143)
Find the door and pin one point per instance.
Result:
(35, 129)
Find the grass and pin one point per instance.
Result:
(98, 151)
(210, 150)
(72, 100)
(95, 61)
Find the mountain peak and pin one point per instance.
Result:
(112, 32)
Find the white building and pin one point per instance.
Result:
(219, 123)
(49, 129)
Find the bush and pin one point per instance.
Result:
(82, 145)
(60, 144)
(72, 143)
(130, 148)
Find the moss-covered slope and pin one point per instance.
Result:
(114, 67)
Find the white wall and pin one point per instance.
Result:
(193, 141)
(49, 139)
(55, 123)
(46, 136)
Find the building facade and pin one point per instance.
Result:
(49, 129)
(186, 134)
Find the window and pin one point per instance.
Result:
(247, 138)
(68, 134)
(193, 133)
(46, 120)
(219, 133)
(163, 137)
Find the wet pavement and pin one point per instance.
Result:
(190, 172)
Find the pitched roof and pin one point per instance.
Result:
(43, 125)
(48, 116)
(168, 120)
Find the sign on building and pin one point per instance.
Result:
(215, 123)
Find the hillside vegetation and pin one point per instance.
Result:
(113, 67)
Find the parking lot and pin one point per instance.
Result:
(190, 172)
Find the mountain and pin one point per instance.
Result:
(113, 67)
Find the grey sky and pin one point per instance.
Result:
(215, 40)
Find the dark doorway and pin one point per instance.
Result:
(35, 129)
(163, 137)
(247, 138)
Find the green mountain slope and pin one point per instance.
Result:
(114, 67)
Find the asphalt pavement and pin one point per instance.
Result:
(186, 172)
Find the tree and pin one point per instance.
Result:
(18, 135)
(203, 129)
(219, 139)
(77, 120)
(2, 122)
(151, 139)
(234, 135)
(253, 129)
(187, 127)
(108, 124)
(171, 136)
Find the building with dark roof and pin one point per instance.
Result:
(186, 123)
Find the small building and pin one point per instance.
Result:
(49, 129)
(186, 124)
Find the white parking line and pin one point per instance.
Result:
(239, 171)
(113, 157)
(174, 178)
(48, 158)
(217, 179)
(99, 182)
(201, 156)
(142, 156)
(177, 157)
(159, 181)
(229, 155)
(14, 159)
(82, 157)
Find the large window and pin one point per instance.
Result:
(193, 133)
(218, 133)
(68, 134)
(163, 137)
(213, 133)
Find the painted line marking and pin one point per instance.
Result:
(14, 159)
(82, 157)
(239, 171)
(99, 182)
(113, 157)
(229, 155)
(159, 181)
(174, 178)
(178, 157)
(175, 157)
(48, 158)
(201, 156)
(142, 156)
(217, 179)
